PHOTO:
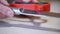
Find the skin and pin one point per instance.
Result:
(5, 12)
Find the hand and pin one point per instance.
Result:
(5, 12)
(4, 2)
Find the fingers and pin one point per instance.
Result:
(5, 12)
(9, 13)
(2, 16)
(4, 2)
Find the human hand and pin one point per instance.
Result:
(5, 12)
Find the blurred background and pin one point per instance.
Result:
(24, 26)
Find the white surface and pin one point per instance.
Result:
(55, 7)
(16, 11)
(16, 30)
